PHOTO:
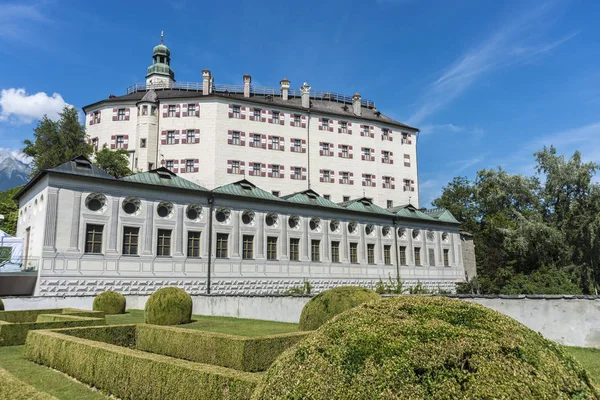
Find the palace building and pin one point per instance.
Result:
(242, 190)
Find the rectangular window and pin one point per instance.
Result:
(256, 169)
(95, 143)
(406, 185)
(407, 160)
(193, 247)
(335, 252)
(326, 175)
(446, 258)
(344, 151)
(222, 245)
(297, 146)
(325, 124)
(431, 257)
(189, 165)
(236, 112)
(296, 120)
(276, 117)
(163, 243)
(153, 110)
(402, 255)
(368, 180)
(275, 171)
(271, 248)
(256, 141)
(131, 238)
(120, 142)
(327, 196)
(96, 117)
(367, 153)
(385, 134)
(275, 140)
(275, 193)
(93, 238)
(366, 130)
(169, 165)
(417, 256)
(346, 198)
(390, 204)
(294, 249)
(191, 110)
(172, 111)
(343, 127)
(404, 138)
(386, 157)
(235, 167)
(297, 173)
(315, 250)
(150, 166)
(190, 136)
(144, 110)
(354, 253)
(121, 114)
(371, 253)
(143, 143)
(235, 138)
(170, 137)
(248, 247)
(345, 178)
(257, 114)
(387, 254)
(387, 182)
(325, 148)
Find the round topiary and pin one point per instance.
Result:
(110, 302)
(414, 347)
(1, 305)
(169, 306)
(332, 302)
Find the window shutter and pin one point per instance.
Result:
(243, 112)
(270, 142)
(281, 143)
(126, 142)
(390, 136)
(331, 126)
(127, 114)
(391, 155)
(270, 167)
(263, 170)
(270, 116)
(242, 167)
(183, 136)
(91, 118)
(184, 110)
(177, 133)
(412, 185)
(231, 111)
(362, 153)
(409, 136)
(99, 116)
(364, 182)
(320, 124)
(229, 169)
(197, 109)
(372, 131)
(352, 178)
(251, 113)
(197, 135)
(349, 128)
(321, 179)
(196, 165)
(393, 183)
(362, 130)
(163, 137)
(177, 111)
(320, 148)
(281, 172)
(372, 154)
(304, 145)
(282, 118)
(263, 113)
(263, 141)
(230, 137)
(303, 173)
(115, 111)
(292, 145)
(350, 153)
(165, 109)
(250, 168)
(339, 129)
(113, 144)
(304, 121)
(292, 116)
(340, 174)
(243, 138)
(374, 180)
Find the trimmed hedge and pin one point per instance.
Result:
(237, 352)
(332, 302)
(110, 302)
(19, 316)
(425, 347)
(119, 335)
(169, 306)
(12, 388)
(128, 373)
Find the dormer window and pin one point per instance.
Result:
(163, 174)
(83, 164)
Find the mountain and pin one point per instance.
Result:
(14, 169)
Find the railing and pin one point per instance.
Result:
(255, 90)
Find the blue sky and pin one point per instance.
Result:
(488, 83)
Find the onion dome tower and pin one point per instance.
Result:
(160, 74)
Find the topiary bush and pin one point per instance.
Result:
(169, 306)
(1, 305)
(415, 347)
(330, 303)
(110, 302)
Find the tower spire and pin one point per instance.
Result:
(162, 37)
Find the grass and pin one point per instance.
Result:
(588, 358)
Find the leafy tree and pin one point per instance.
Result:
(57, 142)
(10, 209)
(115, 162)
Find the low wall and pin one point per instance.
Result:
(569, 320)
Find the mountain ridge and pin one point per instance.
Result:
(14, 169)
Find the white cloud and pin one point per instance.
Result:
(435, 128)
(16, 21)
(17, 154)
(505, 47)
(16, 105)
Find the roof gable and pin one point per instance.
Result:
(310, 197)
(441, 214)
(245, 188)
(80, 165)
(163, 177)
(364, 205)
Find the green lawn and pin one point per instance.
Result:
(589, 358)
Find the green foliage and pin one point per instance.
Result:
(332, 302)
(10, 209)
(306, 288)
(114, 162)
(423, 347)
(110, 302)
(1, 305)
(390, 287)
(418, 289)
(133, 374)
(12, 388)
(57, 142)
(119, 335)
(237, 352)
(169, 306)
(546, 226)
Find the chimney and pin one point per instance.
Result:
(305, 93)
(356, 104)
(285, 88)
(247, 80)
(212, 84)
(205, 82)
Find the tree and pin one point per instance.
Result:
(10, 210)
(115, 162)
(57, 142)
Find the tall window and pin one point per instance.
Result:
(256, 140)
(248, 247)
(96, 117)
(235, 167)
(170, 137)
(345, 151)
(326, 175)
(325, 148)
(190, 136)
(354, 253)
(163, 244)
(144, 110)
(417, 256)
(121, 114)
(131, 238)
(387, 181)
(390, 203)
(142, 144)
(236, 111)
(296, 120)
(344, 127)
(315, 250)
(335, 252)
(172, 111)
(369, 180)
(93, 238)
(325, 123)
(371, 253)
(235, 138)
(297, 173)
(222, 244)
(366, 130)
(169, 165)
(294, 249)
(385, 134)
(271, 248)
(367, 153)
(275, 171)
(345, 178)
(387, 254)
(95, 143)
(153, 110)
(406, 185)
(193, 247)
(297, 145)
(446, 258)
(404, 138)
(120, 142)
(257, 114)
(386, 157)
(256, 169)
(275, 142)
(276, 117)
(189, 165)
(191, 110)
(402, 255)
(431, 257)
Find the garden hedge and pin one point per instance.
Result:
(110, 302)
(237, 352)
(119, 335)
(425, 348)
(169, 306)
(12, 388)
(331, 302)
(128, 373)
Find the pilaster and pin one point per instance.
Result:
(74, 243)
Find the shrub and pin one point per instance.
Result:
(329, 303)
(110, 302)
(425, 347)
(1, 305)
(15, 389)
(169, 306)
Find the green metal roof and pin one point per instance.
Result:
(246, 188)
(310, 197)
(163, 177)
(409, 211)
(441, 214)
(364, 205)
